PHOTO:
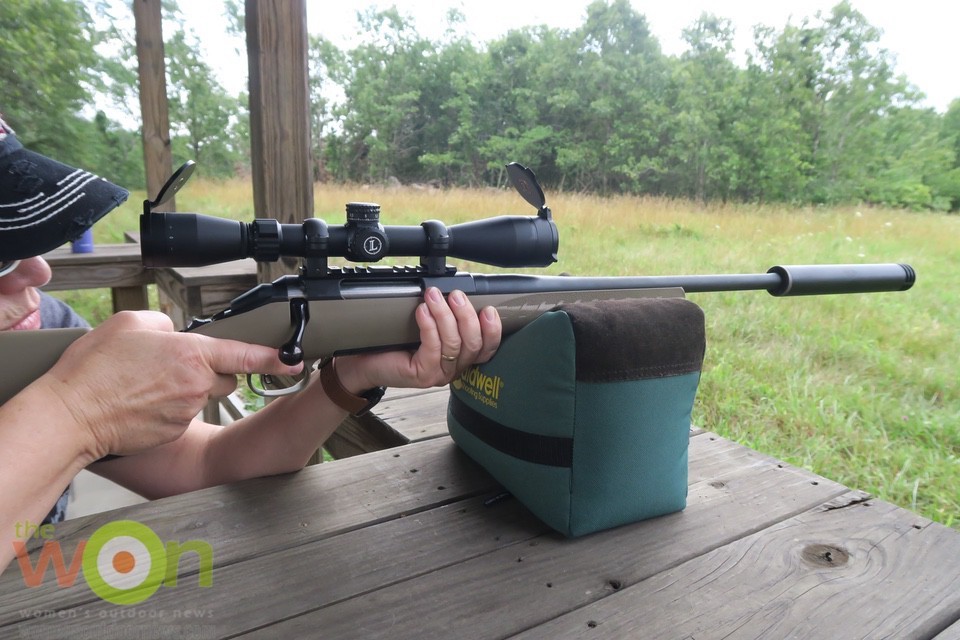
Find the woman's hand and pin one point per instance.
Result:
(453, 336)
(133, 383)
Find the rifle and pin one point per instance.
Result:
(365, 308)
(349, 304)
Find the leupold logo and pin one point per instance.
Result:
(124, 562)
(480, 386)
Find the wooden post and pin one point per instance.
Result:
(155, 115)
(279, 119)
(157, 157)
(279, 115)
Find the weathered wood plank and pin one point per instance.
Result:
(403, 416)
(247, 595)
(394, 423)
(854, 568)
(552, 575)
(277, 58)
(203, 291)
(417, 417)
(358, 435)
(394, 393)
(255, 517)
(217, 274)
(282, 584)
(129, 298)
(110, 265)
(951, 633)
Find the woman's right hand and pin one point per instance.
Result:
(134, 383)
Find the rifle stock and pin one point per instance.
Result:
(30, 354)
(380, 323)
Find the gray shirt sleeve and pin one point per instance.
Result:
(56, 314)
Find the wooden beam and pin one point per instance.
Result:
(151, 67)
(279, 115)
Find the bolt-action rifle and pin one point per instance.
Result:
(333, 310)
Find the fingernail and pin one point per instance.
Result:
(458, 298)
(489, 313)
(434, 294)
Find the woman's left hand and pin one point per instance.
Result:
(453, 336)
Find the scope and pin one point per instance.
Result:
(194, 240)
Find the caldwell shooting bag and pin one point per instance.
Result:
(584, 414)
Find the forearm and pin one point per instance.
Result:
(279, 438)
(43, 449)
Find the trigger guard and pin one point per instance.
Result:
(279, 393)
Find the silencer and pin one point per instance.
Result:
(811, 280)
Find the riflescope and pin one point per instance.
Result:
(195, 240)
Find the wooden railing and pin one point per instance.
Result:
(183, 292)
(111, 266)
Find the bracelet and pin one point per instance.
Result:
(355, 405)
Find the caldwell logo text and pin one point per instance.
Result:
(481, 387)
(123, 562)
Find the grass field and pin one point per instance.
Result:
(862, 389)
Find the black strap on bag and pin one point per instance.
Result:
(529, 447)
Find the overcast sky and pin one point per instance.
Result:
(920, 33)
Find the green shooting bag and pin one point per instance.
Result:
(584, 414)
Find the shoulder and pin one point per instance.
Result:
(56, 314)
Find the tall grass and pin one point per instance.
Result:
(862, 389)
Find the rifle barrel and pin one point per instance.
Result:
(793, 280)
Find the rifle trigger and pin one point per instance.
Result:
(262, 391)
(291, 352)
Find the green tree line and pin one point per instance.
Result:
(816, 114)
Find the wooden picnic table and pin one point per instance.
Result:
(406, 543)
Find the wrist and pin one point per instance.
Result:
(353, 375)
(350, 390)
(48, 407)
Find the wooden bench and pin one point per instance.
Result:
(404, 543)
(402, 417)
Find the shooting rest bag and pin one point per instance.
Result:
(584, 414)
